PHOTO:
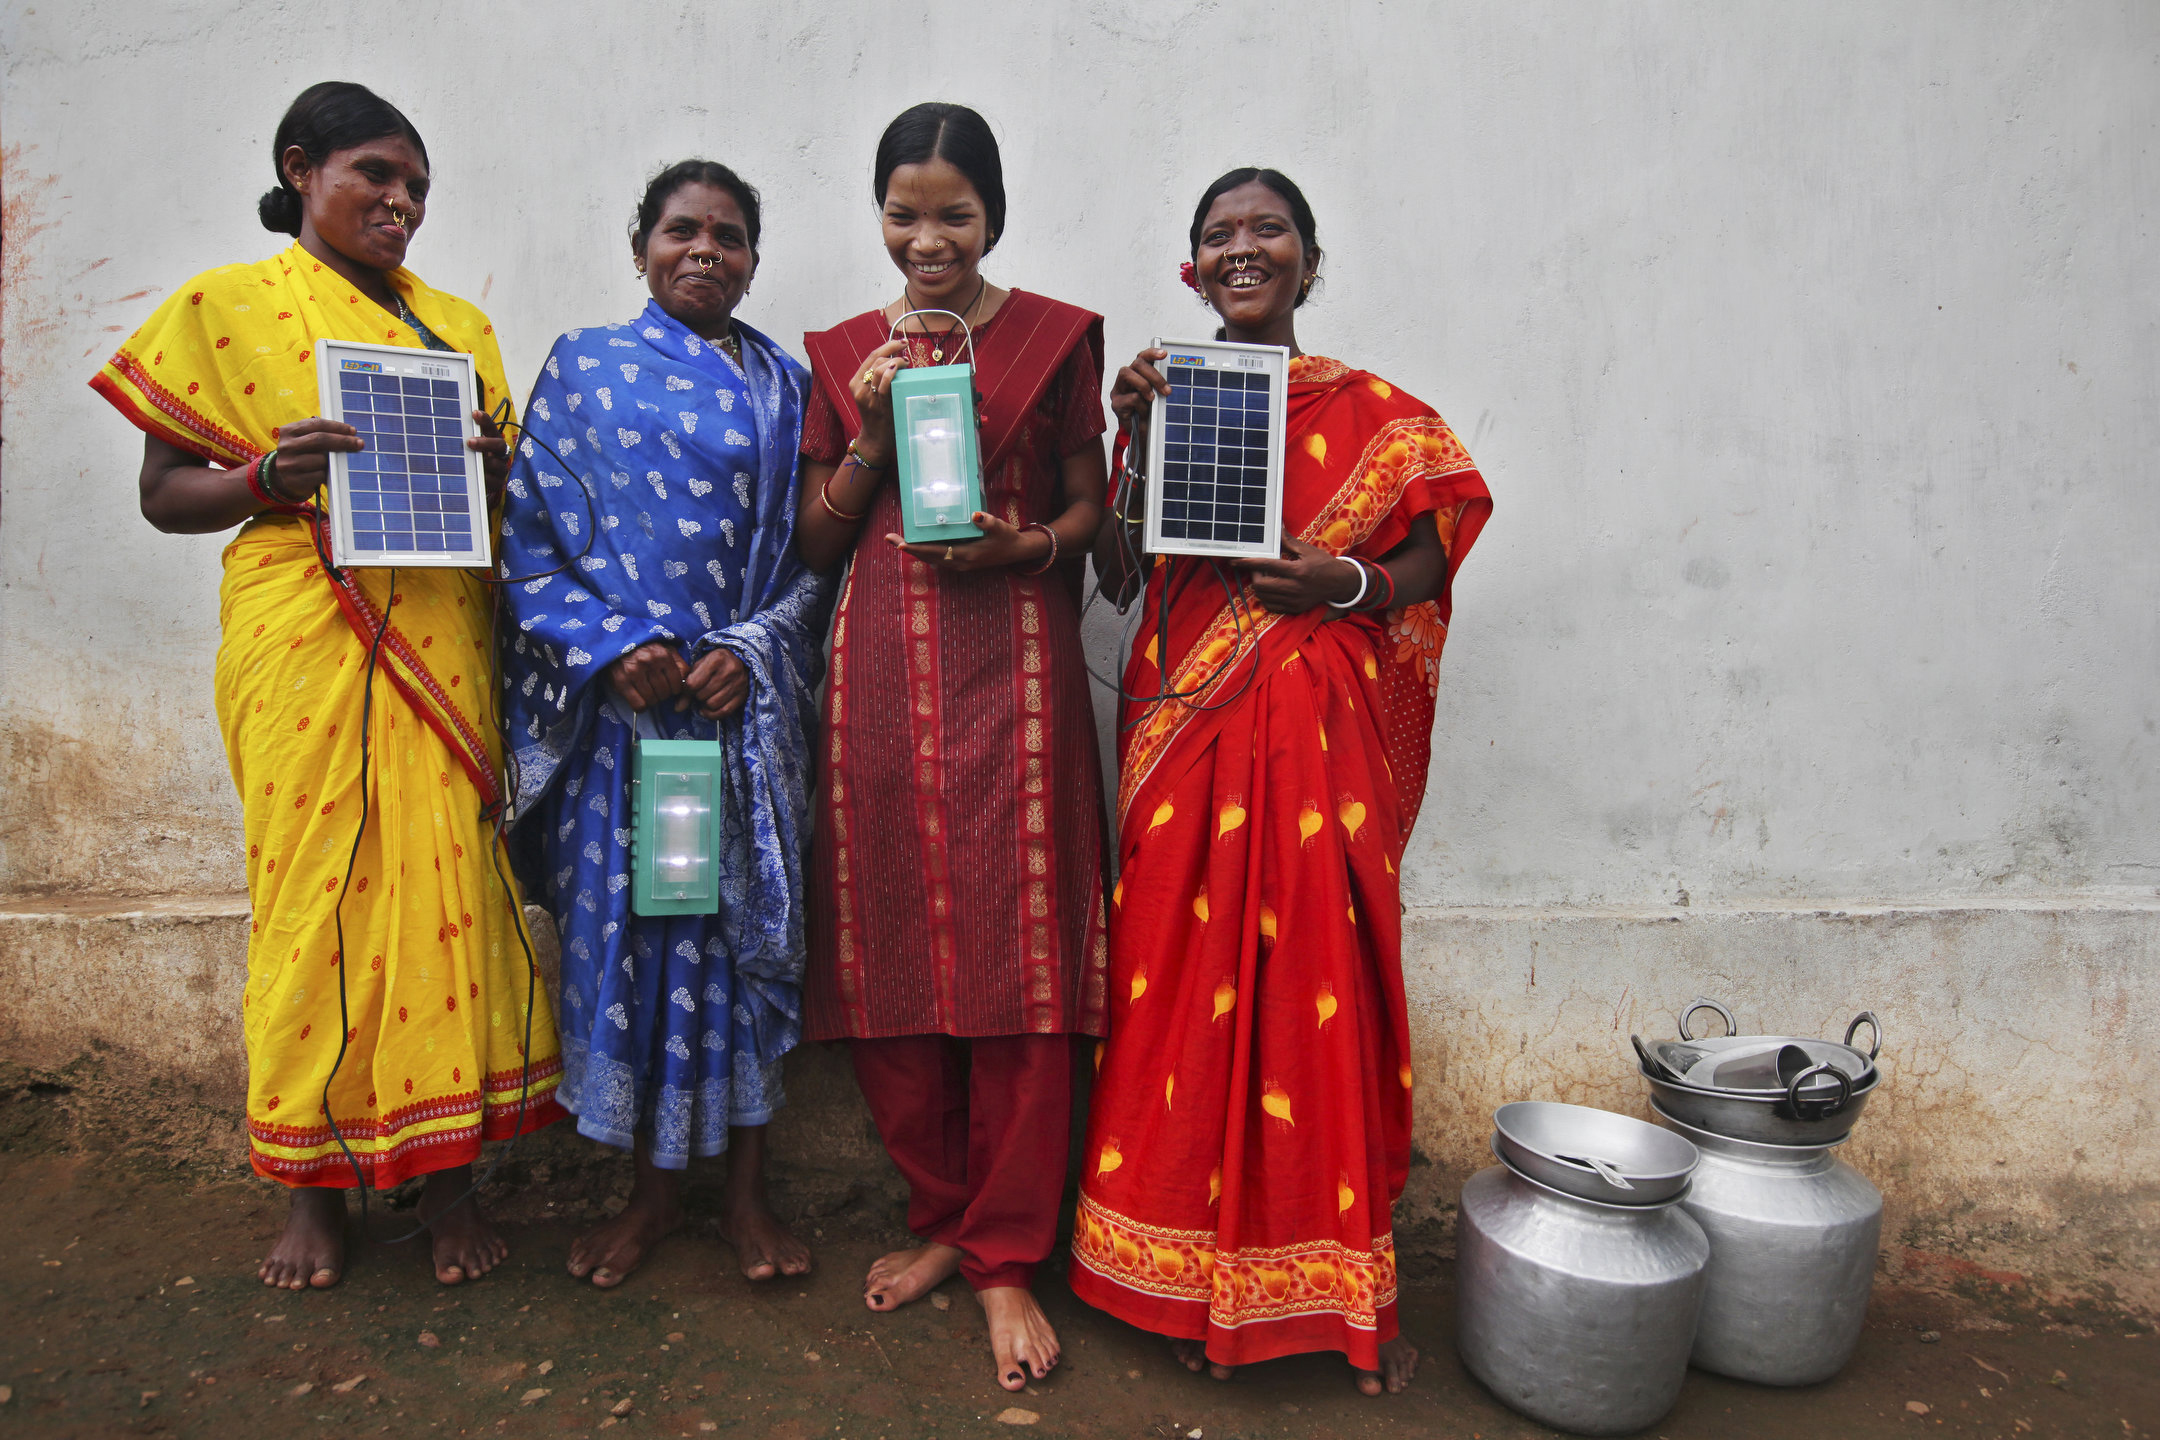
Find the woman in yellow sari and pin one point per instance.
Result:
(389, 1001)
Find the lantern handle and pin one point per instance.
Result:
(967, 332)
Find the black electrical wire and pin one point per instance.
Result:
(1128, 480)
(492, 817)
(504, 423)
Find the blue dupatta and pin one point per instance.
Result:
(688, 465)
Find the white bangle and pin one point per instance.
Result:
(1364, 583)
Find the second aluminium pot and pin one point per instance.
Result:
(1793, 1236)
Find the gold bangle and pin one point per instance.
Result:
(845, 517)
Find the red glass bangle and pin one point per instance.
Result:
(1382, 572)
(253, 475)
(1048, 560)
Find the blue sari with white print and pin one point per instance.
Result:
(673, 1026)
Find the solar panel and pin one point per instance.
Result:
(1215, 450)
(414, 495)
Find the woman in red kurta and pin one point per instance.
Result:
(957, 942)
(1250, 1128)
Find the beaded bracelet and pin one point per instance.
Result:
(1051, 558)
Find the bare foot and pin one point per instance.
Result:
(310, 1250)
(1192, 1354)
(762, 1244)
(906, 1275)
(466, 1246)
(1398, 1365)
(1020, 1335)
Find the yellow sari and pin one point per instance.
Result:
(435, 994)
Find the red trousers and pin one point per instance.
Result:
(981, 1129)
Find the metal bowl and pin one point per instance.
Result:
(1769, 1117)
(1673, 1199)
(1710, 1140)
(1752, 1062)
(1594, 1154)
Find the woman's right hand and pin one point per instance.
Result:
(1133, 395)
(872, 389)
(648, 675)
(303, 455)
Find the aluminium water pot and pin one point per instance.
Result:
(1577, 1313)
(1793, 1238)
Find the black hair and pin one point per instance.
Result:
(1300, 212)
(327, 117)
(663, 186)
(936, 130)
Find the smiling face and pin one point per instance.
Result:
(698, 261)
(936, 230)
(365, 203)
(1252, 263)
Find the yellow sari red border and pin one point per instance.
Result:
(307, 1154)
(422, 691)
(217, 443)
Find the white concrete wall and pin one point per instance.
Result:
(1810, 352)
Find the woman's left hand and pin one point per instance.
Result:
(1001, 544)
(494, 454)
(1305, 576)
(718, 684)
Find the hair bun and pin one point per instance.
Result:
(279, 210)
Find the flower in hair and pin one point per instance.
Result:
(1185, 273)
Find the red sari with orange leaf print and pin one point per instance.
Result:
(1250, 1128)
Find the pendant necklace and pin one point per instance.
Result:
(938, 337)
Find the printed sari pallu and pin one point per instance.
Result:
(434, 973)
(1250, 1129)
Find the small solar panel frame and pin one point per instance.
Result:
(335, 359)
(1221, 357)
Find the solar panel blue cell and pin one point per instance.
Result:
(370, 540)
(383, 384)
(445, 389)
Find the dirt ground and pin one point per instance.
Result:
(132, 1309)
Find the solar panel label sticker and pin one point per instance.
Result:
(1215, 450)
(415, 494)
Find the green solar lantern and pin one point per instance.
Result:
(675, 790)
(939, 451)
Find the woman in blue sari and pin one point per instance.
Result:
(666, 601)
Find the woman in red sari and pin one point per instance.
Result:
(1250, 1128)
(958, 940)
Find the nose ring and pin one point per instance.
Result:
(705, 263)
(1238, 261)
